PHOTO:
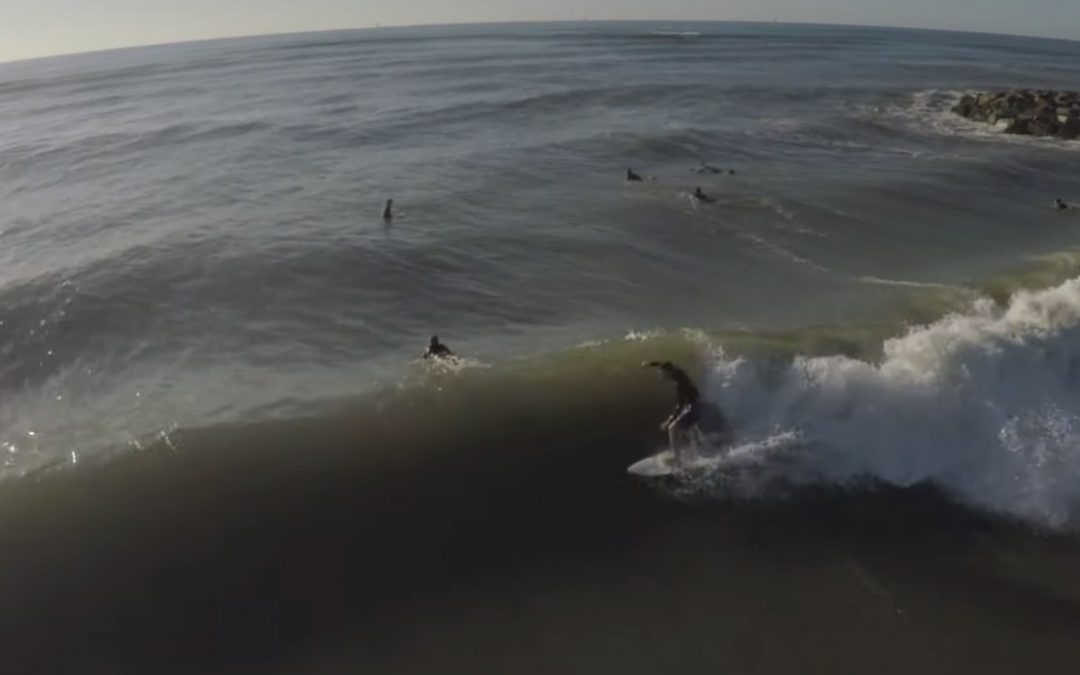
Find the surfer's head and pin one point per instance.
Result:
(434, 340)
(667, 369)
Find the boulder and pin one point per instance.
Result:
(966, 107)
(1043, 127)
(1070, 130)
(1018, 127)
(1030, 112)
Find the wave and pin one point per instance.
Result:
(258, 543)
(539, 106)
(675, 33)
(878, 281)
(111, 146)
(983, 403)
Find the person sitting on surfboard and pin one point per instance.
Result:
(437, 350)
(684, 420)
(633, 176)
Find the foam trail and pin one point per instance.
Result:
(671, 33)
(985, 404)
(902, 283)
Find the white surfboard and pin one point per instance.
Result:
(716, 456)
(663, 464)
(655, 466)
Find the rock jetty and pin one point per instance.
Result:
(1027, 112)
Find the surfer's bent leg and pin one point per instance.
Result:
(697, 435)
(683, 425)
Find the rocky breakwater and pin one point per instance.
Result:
(1026, 112)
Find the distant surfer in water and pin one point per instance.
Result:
(702, 197)
(683, 422)
(437, 350)
(388, 212)
(1060, 204)
(633, 177)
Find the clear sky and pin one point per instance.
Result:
(30, 28)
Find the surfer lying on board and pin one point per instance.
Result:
(683, 422)
(437, 350)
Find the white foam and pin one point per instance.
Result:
(643, 335)
(780, 251)
(903, 283)
(985, 404)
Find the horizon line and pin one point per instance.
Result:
(378, 27)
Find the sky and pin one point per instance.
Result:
(32, 28)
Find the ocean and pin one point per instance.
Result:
(223, 452)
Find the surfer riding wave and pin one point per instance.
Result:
(683, 426)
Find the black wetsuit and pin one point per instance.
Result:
(687, 397)
(438, 351)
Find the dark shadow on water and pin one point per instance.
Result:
(410, 532)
